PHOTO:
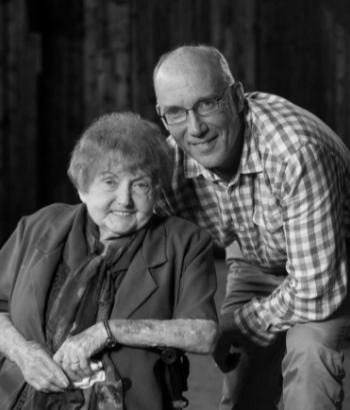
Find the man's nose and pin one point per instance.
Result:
(194, 124)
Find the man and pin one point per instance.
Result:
(271, 182)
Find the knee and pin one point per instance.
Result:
(301, 339)
(312, 370)
(309, 352)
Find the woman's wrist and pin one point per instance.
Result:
(110, 340)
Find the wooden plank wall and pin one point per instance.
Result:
(63, 63)
(60, 95)
(19, 67)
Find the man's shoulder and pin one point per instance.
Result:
(277, 116)
(282, 127)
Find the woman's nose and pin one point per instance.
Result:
(124, 195)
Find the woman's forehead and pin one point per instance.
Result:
(121, 167)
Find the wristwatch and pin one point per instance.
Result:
(111, 341)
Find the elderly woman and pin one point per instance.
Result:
(90, 294)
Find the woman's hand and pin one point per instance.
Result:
(75, 353)
(40, 370)
(34, 361)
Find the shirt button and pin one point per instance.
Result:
(242, 228)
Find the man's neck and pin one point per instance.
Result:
(229, 170)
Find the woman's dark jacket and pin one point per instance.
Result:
(171, 276)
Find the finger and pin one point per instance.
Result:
(47, 382)
(70, 361)
(58, 356)
(85, 366)
(60, 379)
(73, 371)
(74, 375)
(56, 373)
(52, 389)
(45, 372)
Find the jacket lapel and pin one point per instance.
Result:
(41, 276)
(138, 283)
(47, 256)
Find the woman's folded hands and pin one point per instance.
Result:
(74, 356)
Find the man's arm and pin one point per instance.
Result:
(316, 284)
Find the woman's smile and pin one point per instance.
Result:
(122, 213)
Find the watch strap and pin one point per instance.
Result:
(111, 341)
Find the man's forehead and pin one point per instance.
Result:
(184, 94)
(186, 64)
(174, 83)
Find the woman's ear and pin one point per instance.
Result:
(156, 192)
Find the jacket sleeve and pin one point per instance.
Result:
(197, 286)
(10, 256)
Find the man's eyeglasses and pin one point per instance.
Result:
(177, 116)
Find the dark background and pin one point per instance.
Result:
(64, 62)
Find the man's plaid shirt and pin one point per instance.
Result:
(288, 207)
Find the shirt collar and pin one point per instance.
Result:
(250, 159)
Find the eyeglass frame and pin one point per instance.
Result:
(195, 107)
(149, 187)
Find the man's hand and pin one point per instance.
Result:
(40, 370)
(228, 336)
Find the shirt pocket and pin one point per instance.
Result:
(269, 219)
(270, 236)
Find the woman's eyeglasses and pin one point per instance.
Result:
(140, 188)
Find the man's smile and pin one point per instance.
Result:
(204, 143)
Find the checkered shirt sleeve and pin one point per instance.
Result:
(315, 244)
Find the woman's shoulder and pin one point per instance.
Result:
(50, 213)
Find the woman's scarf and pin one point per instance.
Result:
(87, 297)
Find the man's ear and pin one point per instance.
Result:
(82, 196)
(238, 96)
(163, 121)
